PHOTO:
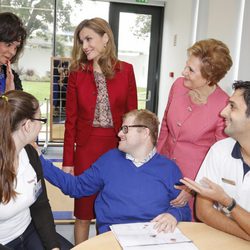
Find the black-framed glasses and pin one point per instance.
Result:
(43, 120)
(124, 128)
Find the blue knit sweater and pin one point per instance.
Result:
(126, 193)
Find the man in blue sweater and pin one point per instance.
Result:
(134, 182)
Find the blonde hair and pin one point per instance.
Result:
(108, 59)
(215, 59)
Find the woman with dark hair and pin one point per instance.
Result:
(12, 40)
(100, 90)
(25, 213)
(192, 121)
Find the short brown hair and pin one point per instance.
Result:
(215, 59)
(245, 87)
(108, 59)
(147, 118)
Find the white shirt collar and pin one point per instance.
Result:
(140, 163)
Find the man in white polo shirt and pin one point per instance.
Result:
(223, 182)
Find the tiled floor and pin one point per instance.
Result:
(67, 231)
(53, 152)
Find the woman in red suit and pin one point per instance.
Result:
(100, 90)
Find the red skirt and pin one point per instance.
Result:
(100, 141)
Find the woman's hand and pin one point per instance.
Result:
(68, 169)
(182, 199)
(9, 78)
(165, 223)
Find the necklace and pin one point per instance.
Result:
(199, 98)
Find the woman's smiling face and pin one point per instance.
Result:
(8, 51)
(92, 43)
(192, 73)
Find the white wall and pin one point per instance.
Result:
(225, 20)
(244, 55)
(222, 22)
(178, 20)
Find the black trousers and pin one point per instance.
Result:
(30, 240)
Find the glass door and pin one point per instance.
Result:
(137, 31)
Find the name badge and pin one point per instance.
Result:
(230, 182)
(38, 189)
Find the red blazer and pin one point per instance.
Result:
(81, 102)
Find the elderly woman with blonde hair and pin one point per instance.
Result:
(192, 121)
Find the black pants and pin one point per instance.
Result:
(30, 240)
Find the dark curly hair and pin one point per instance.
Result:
(12, 30)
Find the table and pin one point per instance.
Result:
(203, 236)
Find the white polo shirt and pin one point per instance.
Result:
(227, 171)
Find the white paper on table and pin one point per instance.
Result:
(143, 234)
(177, 246)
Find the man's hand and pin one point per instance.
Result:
(68, 169)
(9, 78)
(165, 223)
(183, 197)
(208, 189)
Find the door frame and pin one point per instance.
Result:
(157, 13)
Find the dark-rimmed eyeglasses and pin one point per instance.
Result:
(124, 128)
(43, 120)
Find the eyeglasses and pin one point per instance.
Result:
(124, 128)
(43, 120)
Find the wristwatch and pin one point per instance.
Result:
(228, 209)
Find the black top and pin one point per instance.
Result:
(41, 211)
